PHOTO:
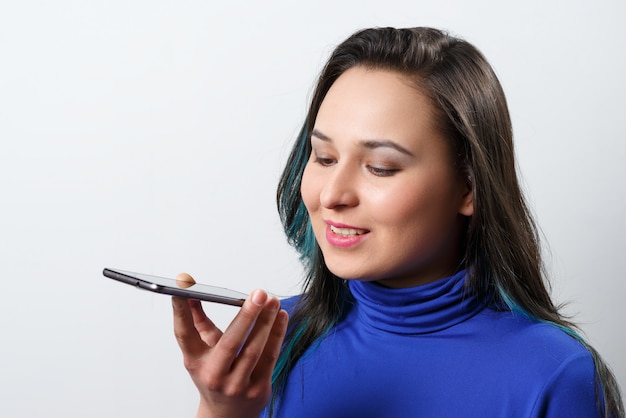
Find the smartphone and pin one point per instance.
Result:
(177, 288)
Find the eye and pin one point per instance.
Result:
(324, 161)
(382, 172)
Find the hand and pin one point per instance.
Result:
(232, 370)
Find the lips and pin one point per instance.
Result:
(344, 236)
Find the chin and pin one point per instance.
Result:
(351, 274)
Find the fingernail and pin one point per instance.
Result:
(259, 297)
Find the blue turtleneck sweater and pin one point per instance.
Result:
(435, 351)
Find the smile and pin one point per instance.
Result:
(347, 232)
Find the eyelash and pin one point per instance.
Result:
(382, 172)
(377, 171)
(326, 162)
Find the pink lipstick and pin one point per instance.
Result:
(344, 236)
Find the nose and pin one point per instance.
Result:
(341, 188)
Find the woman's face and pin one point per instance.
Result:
(385, 201)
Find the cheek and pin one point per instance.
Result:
(403, 213)
(418, 205)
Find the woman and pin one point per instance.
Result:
(425, 292)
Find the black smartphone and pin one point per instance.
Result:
(177, 288)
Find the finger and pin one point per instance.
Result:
(254, 347)
(184, 280)
(268, 359)
(227, 349)
(209, 333)
(187, 335)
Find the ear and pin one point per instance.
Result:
(466, 206)
(467, 203)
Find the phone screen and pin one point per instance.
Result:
(176, 287)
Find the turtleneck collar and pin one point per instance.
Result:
(416, 310)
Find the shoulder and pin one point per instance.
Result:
(533, 350)
(539, 339)
(571, 389)
(555, 366)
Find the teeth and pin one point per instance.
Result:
(346, 232)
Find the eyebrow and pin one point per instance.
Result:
(369, 143)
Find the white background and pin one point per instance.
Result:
(149, 136)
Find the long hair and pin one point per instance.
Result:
(501, 242)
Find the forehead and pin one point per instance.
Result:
(374, 102)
